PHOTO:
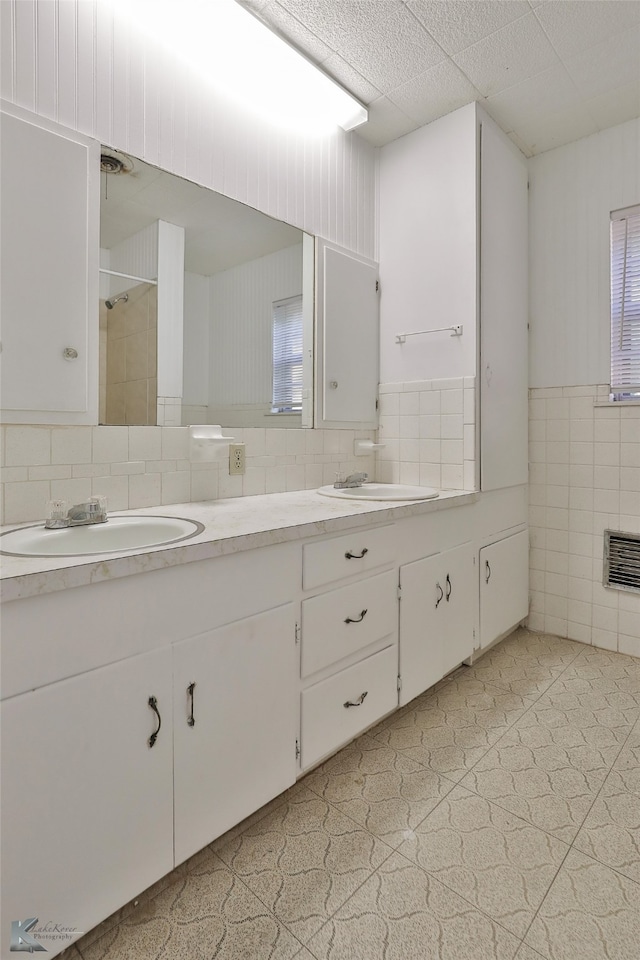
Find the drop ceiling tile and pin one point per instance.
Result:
(283, 22)
(393, 51)
(573, 25)
(548, 132)
(547, 92)
(434, 93)
(386, 123)
(338, 23)
(616, 106)
(345, 74)
(515, 52)
(613, 63)
(457, 26)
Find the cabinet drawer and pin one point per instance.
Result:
(343, 621)
(327, 723)
(341, 557)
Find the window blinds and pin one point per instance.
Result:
(287, 355)
(625, 303)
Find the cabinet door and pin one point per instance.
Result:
(461, 601)
(503, 312)
(239, 752)
(422, 625)
(49, 275)
(504, 586)
(87, 811)
(347, 338)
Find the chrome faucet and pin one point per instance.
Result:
(353, 480)
(92, 511)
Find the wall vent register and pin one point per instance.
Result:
(622, 560)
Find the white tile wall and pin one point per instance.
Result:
(428, 428)
(584, 478)
(150, 466)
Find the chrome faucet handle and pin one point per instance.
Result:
(93, 510)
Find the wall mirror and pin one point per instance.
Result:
(205, 305)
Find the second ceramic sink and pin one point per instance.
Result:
(117, 533)
(381, 491)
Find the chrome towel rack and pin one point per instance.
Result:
(456, 331)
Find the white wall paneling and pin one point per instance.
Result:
(572, 191)
(71, 60)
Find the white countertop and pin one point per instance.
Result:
(230, 526)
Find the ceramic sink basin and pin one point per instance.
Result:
(118, 533)
(381, 491)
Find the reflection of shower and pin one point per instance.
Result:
(110, 304)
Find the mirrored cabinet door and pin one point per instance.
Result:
(49, 272)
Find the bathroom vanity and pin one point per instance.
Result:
(153, 699)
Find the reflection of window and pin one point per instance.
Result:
(625, 304)
(287, 355)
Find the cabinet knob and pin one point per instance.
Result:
(333, 384)
(70, 353)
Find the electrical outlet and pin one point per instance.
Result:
(236, 459)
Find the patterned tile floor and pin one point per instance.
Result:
(497, 816)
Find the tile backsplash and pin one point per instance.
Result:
(584, 478)
(428, 428)
(150, 466)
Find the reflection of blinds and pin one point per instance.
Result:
(625, 302)
(287, 355)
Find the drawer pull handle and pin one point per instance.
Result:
(153, 703)
(356, 556)
(438, 587)
(356, 619)
(191, 720)
(488, 570)
(448, 588)
(356, 703)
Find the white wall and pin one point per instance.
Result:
(196, 340)
(68, 60)
(137, 256)
(571, 192)
(584, 452)
(427, 208)
(240, 364)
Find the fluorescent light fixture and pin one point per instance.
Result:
(239, 55)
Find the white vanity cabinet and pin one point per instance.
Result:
(504, 586)
(87, 805)
(438, 597)
(235, 724)
(349, 653)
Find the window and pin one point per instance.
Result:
(625, 304)
(287, 355)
